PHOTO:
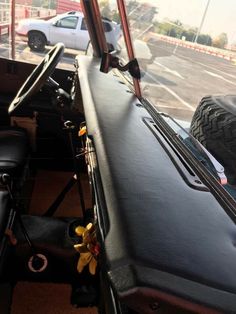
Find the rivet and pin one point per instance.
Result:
(154, 306)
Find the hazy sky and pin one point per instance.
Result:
(221, 15)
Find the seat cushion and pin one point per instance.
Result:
(14, 149)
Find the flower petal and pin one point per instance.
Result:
(79, 230)
(93, 266)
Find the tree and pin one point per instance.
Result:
(204, 39)
(105, 9)
(178, 23)
(189, 34)
(115, 16)
(169, 29)
(141, 12)
(131, 7)
(148, 13)
(220, 41)
(178, 30)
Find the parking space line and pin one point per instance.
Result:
(170, 91)
(220, 77)
(169, 70)
(205, 65)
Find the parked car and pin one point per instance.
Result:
(69, 28)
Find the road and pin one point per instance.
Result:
(175, 78)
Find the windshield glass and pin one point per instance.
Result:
(186, 49)
(29, 28)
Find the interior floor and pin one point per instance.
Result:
(51, 297)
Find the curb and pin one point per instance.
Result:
(227, 55)
(201, 49)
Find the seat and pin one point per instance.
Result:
(4, 201)
(14, 150)
(14, 154)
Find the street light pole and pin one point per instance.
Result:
(202, 21)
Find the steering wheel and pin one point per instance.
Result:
(37, 78)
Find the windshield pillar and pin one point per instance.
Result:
(128, 41)
(94, 25)
(13, 32)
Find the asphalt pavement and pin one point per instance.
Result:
(177, 78)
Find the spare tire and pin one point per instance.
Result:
(214, 126)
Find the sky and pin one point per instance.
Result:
(221, 14)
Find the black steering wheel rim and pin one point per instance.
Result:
(37, 78)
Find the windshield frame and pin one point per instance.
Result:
(97, 33)
(128, 41)
(95, 27)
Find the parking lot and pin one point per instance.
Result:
(178, 79)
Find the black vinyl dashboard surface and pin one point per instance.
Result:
(163, 234)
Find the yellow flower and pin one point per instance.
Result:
(88, 249)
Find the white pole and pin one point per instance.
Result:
(202, 21)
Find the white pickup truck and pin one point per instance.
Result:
(68, 28)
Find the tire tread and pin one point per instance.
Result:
(215, 128)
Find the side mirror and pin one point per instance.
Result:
(54, 23)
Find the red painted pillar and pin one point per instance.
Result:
(13, 33)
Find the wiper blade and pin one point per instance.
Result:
(220, 170)
(200, 152)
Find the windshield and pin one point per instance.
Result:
(186, 50)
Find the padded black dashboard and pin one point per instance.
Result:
(163, 235)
